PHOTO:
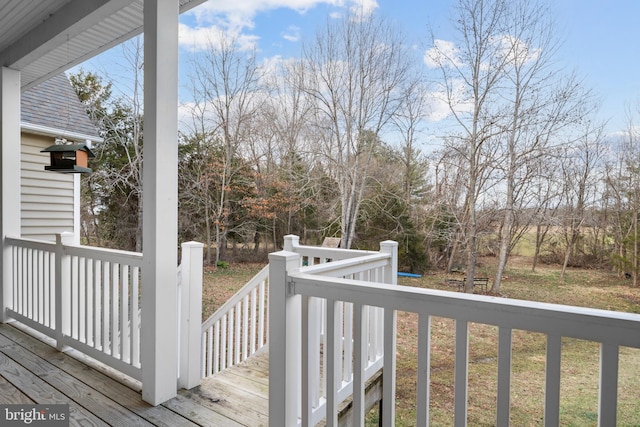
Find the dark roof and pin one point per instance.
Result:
(54, 104)
(68, 148)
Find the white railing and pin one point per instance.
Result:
(292, 286)
(89, 299)
(238, 328)
(85, 298)
(314, 346)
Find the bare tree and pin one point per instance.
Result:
(287, 119)
(409, 121)
(546, 190)
(228, 80)
(353, 72)
(623, 194)
(471, 73)
(580, 168)
(539, 104)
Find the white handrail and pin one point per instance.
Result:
(309, 254)
(611, 329)
(309, 327)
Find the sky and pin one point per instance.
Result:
(600, 39)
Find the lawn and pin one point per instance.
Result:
(580, 359)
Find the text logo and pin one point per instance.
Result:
(34, 415)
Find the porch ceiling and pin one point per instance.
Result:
(42, 38)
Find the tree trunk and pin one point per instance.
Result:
(503, 257)
(567, 256)
(536, 253)
(472, 244)
(472, 256)
(208, 235)
(634, 272)
(139, 225)
(505, 237)
(452, 256)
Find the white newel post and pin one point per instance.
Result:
(291, 242)
(159, 334)
(9, 177)
(391, 273)
(389, 367)
(62, 289)
(191, 315)
(284, 341)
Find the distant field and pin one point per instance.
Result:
(580, 363)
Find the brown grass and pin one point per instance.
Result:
(220, 284)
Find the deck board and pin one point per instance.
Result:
(79, 392)
(241, 393)
(31, 371)
(115, 390)
(41, 392)
(10, 395)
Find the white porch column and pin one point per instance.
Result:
(9, 175)
(159, 353)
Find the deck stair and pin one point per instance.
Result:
(235, 351)
(241, 392)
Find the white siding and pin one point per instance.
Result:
(47, 198)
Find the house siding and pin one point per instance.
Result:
(47, 198)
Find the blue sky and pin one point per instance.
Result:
(601, 39)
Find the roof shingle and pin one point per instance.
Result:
(54, 104)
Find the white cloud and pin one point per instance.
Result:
(517, 50)
(441, 101)
(364, 7)
(441, 54)
(200, 38)
(251, 7)
(237, 16)
(292, 34)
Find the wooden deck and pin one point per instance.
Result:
(33, 372)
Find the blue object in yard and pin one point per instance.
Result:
(401, 274)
